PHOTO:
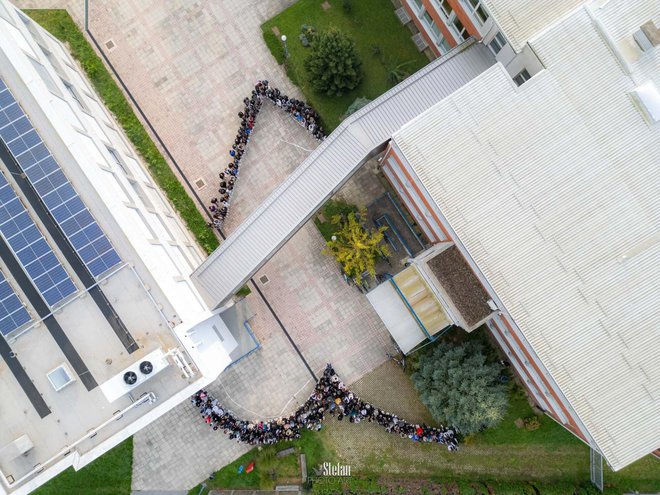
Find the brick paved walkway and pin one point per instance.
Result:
(189, 64)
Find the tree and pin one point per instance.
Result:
(355, 247)
(333, 66)
(459, 386)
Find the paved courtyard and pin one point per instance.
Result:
(189, 65)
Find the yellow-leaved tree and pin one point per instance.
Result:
(354, 246)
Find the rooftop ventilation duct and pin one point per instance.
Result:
(648, 36)
(648, 98)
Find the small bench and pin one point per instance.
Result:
(285, 452)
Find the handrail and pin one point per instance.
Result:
(151, 397)
(410, 308)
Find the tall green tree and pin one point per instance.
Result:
(333, 66)
(354, 246)
(459, 386)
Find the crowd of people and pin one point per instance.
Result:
(305, 115)
(330, 397)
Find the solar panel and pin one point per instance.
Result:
(33, 252)
(12, 312)
(53, 187)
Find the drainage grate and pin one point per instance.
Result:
(264, 279)
(109, 44)
(200, 183)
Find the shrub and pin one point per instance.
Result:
(397, 73)
(459, 386)
(355, 247)
(309, 32)
(347, 5)
(532, 423)
(333, 67)
(357, 104)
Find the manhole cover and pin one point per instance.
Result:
(109, 44)
(264, 279)
(200, 183)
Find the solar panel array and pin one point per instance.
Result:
(31, 249)
(53, 187)
(12, 312)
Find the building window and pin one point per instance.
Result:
(115, 156)
(45, 77)
(74, 94)
(521, 77)
(419, 5)
(433, 27)
(141, 194)
(497, 43)
(444, 45)
(461, 31)
(446, 8)
(476, 10)
(437, 34)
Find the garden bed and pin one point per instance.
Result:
(382, 43)
(110, 474)
(60, 25)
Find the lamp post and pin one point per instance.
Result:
(286, 50)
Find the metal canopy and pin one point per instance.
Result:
(329, 167)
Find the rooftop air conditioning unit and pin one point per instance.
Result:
(420, 42)
(130, 378)
(146, 367)
(403, 15)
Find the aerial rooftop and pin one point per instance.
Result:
(552, 188)
(101, 329)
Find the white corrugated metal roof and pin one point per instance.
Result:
(328, 167)
(554, 190)
(520, 20)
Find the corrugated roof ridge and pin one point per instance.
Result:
(336, 134)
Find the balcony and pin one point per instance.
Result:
(437, 290)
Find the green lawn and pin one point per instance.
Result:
(110, 474)
(500, 461)
(60, 25)
(371, 23)
(270, 470)
(504, 460)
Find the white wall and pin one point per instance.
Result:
(123, 197)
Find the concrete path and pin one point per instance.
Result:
(189, 64)
(179, 492)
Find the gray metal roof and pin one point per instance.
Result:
(329, 167)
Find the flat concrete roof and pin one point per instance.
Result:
(334, 161)
(74, 409)
(552, 189)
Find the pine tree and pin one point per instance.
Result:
(333, 66)
(460, 387)
(355, 247)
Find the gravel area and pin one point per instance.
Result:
(460, 282)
